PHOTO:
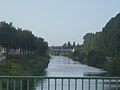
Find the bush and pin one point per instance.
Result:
(24, 65)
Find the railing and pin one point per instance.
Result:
(58, 83)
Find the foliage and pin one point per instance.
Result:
(26, 65)
(12, 38)
(95, 58)
(115, 67)
(69, 45)
(105, 43)
(97, 46)
(32, 58)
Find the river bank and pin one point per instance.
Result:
(93, 61)
(61, 66)
(27, 65)
(67, 67)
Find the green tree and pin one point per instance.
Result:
(87, 44)
(95, 58)
(69, 44)
(74, 45)
(12, 38)
(6, 35)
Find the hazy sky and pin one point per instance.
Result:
(59, 21)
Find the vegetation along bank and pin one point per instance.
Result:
(102, 49)
(25, 53)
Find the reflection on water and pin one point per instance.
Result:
(64, 66)
(61, 66)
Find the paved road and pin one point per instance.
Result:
(2, 58)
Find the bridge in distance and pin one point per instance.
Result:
(59, 51)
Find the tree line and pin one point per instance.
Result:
(102, 49)
(24, 40)
(67, 45)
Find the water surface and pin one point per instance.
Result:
(66, 67)
(61, 66)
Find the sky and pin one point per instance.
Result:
(59, 21)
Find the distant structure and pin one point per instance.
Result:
(60, 50)
(108, 58)
(11, 51)
(53, 51)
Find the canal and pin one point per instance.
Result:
(66, 67)
(61, 66)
